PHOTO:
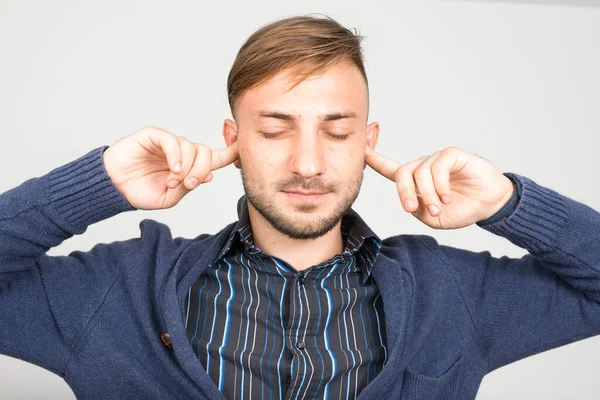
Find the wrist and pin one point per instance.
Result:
(506, 204)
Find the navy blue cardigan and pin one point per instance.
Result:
(110, 321)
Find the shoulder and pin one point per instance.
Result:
(158, 233)
(419, 256)
(423, 245)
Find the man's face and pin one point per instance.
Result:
(311, 138)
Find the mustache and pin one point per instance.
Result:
(299, 183)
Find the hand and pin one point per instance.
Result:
(474, 188)
(149, 166)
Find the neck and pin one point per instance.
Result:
(299, 253)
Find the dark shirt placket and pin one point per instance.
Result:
(295, 328)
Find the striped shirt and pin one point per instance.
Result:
(261, 329)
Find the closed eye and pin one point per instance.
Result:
(277, 134)
(338, 137)
(271, 135)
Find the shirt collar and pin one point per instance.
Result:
(359, 239)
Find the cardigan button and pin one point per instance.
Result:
(166, 339)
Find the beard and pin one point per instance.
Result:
(302, 224)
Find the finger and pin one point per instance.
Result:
(440, 170)
(405, 184)
(200, 168)
(169, 144)
(421, 212)
(383, 165)
(188, 151)
(424, 181)
(224, 157)
(208, 178)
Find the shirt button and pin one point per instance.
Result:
(166, 339)
(300, 345)
(301, 279)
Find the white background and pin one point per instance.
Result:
(516, 83)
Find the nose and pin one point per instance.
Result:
(307, 155)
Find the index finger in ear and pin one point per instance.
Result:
(224, 157)
(383, 165)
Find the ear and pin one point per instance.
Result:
(230, 135)
(372, 136)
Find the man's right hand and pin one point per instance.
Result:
(143, 166)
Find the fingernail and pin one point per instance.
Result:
(445, 199)
(193, 182)
(409, 203)
(433, 209)
(173, 183)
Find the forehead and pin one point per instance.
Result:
(339, 87)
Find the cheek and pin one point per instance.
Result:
(248, 152)
(259, 160)
(345, 161)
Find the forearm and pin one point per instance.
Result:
(557, 230)
(43, 212)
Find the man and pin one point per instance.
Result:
(299, 298)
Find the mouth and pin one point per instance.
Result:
(300, 195)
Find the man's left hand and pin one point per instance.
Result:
(464, 187)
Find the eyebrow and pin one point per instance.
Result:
(290, 117)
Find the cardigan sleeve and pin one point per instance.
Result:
(548, 298)
(35, 323)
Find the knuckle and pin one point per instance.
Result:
(398, 174)
(405, 193)
(187, 146)
(202, 149)
(421, 173)
(403, 178)
(403, 170)
(159, 130)
(438, 167)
